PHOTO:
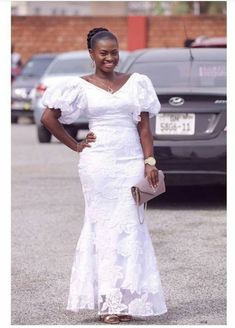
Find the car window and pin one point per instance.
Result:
(36, 67)
(210, 74)
(70, 66)
(183, 74)
(164, 74)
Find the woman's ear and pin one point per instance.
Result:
(91, 54)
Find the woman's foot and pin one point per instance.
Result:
(110, 318)
(125, 317)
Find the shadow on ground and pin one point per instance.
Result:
(205, 197)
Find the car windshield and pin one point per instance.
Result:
(177, 74)
(36, 67)
(70, 66)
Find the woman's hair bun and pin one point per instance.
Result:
(98, 33)
(92, 32)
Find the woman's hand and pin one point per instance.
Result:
(151, 172)
(90, 137)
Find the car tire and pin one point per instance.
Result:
(72, 130)
(14, 119)
(43, 134)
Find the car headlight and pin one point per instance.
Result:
(19, 92)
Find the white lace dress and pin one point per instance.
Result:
(114, 269)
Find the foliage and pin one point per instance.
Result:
(189, 7)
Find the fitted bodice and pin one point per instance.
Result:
(109, 109)
(113, 117)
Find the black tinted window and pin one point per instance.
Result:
(179, 74)
(71, 66)
(209, 74)
(164, 74)
(36, 66)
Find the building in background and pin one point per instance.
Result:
(69, 8)
(117, 8)
(59, 26)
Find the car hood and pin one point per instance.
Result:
(55, 79)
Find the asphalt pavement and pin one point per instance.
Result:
(187, 225)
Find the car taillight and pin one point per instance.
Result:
(41, 88)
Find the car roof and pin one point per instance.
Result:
(81, 53)
(44, 55)
(177, 54)
(73, 54)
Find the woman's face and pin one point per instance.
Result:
(105, 54)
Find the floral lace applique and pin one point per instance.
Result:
(140, 305)
(112, 303)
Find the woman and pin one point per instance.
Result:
(114, 269)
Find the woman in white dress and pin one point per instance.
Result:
(115, 268)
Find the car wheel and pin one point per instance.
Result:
(72, 130)
(14, 119)
(43, 134)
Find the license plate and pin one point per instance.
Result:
(21, 105)
(175, 124)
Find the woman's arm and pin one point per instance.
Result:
(50, 120)
(146, 140)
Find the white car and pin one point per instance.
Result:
(65, 65)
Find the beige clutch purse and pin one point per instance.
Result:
(142, 192)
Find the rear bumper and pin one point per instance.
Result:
(198, 162)
(21, 112)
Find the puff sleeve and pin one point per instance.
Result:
(69, 97)
(146, 99)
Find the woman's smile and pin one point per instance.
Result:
(109, 64)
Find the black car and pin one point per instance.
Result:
(190, 130)
(23, 87)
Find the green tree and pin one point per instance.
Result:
(188, 7)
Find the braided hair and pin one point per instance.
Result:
(98, 33)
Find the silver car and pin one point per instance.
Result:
(65, 65)
(23, 87)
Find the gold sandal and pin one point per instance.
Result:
(125, 317)
(109, 318)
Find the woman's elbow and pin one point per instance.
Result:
(47, 116)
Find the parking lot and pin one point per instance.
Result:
(187, 225)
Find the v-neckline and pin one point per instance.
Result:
(113, 93)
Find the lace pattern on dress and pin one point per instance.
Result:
(114, 269)
(127, 279)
